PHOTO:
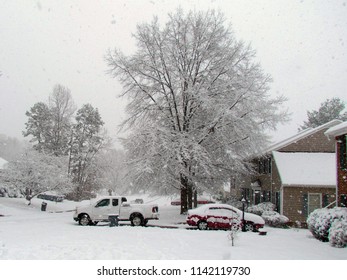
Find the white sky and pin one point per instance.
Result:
(301, 44)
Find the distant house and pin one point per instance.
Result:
(339, 132)
(296, 174)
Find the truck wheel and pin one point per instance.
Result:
(84, 220)
(137, 220)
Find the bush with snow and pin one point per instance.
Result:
(261, 207)
(338, 233)
(320, 222)
(274, 219)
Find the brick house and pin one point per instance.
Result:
(296, 174)
(339, 134)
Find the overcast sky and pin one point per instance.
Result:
(301, 44)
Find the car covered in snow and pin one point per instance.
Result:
(222, 216)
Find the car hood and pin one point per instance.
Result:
(254, 218)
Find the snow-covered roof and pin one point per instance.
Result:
(306, 169)
(302, 134)
(2, 163)
(337, 130)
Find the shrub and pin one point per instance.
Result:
(320, 220)
(338, 233)
(274, 219)
(261, 207)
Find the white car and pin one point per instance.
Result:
(222, 216)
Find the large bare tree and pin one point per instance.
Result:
(198, 103)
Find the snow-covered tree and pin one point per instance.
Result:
(199, 103)
(112, 170)
(62, 108)
(50, 125)
(39, 126)
(86, 142)
(329, 110)
(10, 147)
(35, 172)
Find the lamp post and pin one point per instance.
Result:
(243, 215)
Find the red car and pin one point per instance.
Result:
(222, 216)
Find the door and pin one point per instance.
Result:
(219, 217)
(102, 209)
(314, 202)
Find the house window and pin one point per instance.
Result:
(314, 202)
(343, 152)
(264, 166)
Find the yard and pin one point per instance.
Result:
(28, 233)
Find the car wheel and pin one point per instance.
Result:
(202, 225)
(249, 227)
(137, 220)
(84, 220)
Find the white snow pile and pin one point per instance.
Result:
(329, 225)
(271, 217)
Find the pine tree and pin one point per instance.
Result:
(329, 110)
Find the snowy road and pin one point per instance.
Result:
(28, 233)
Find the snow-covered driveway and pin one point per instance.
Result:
(28, 233)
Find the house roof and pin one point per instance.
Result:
(306, 169)
(2, 163)
(337, 130)
(302, 134)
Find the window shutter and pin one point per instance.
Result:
(325, 200)
(305, 204)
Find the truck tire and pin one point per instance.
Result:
(84, 220)
(136, 220)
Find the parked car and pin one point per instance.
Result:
(51, 197)
(222, 216)
(201, 200)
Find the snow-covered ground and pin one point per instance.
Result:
(28, 233)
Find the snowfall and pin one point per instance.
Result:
(27, 233)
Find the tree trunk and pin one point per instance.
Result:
(184, 193)
(195, 198)
(190, 195)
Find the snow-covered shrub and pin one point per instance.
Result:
(320, 221)
(274, 219)
(338, 233)
(261, 207)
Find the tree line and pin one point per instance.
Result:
(67, 152)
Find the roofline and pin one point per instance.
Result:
(338, 130)
(308, 186)
(302, 134)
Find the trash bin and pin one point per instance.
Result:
(43, 206)
(113, 218)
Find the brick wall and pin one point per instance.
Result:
(317, 142)
(294, 197)
(341, 174)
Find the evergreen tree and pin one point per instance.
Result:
(50, 125)
(86, 141)
(329, 110)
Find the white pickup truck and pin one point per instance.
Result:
(103, 208)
